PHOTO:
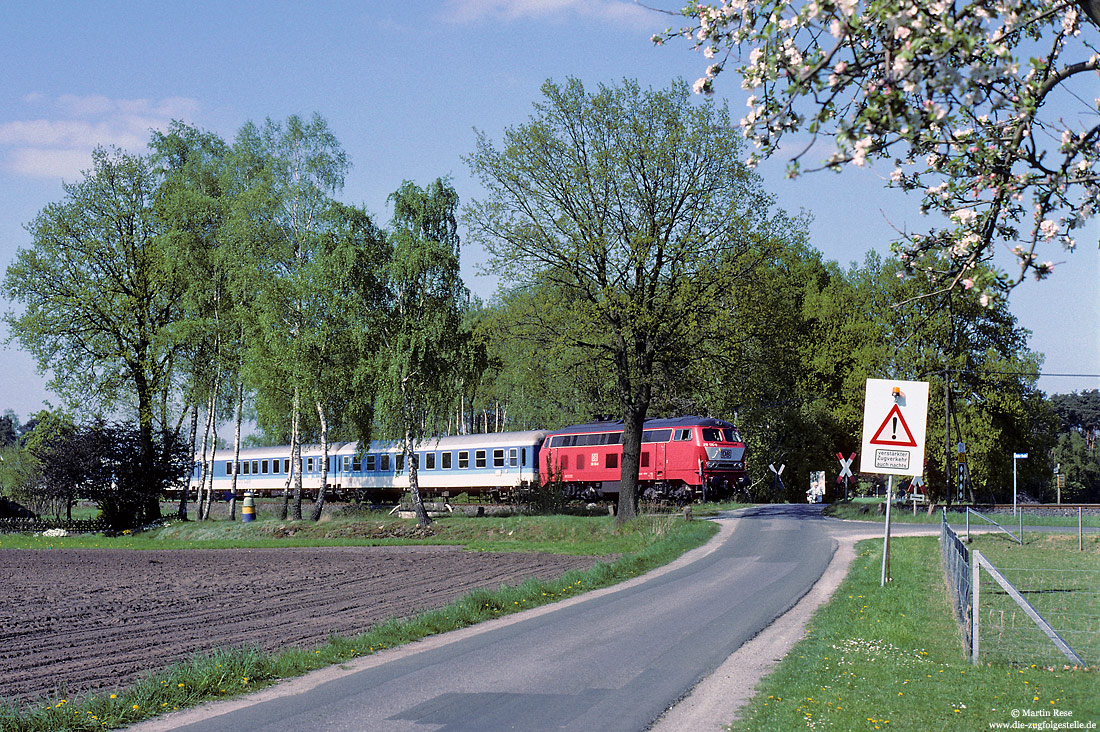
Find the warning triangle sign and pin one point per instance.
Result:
(894, 431)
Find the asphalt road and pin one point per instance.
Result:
(611, 660)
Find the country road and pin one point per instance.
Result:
(611, 660)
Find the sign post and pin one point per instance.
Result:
(1015, 456)
(895, 417)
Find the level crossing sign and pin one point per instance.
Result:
(895, 416)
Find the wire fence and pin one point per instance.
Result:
(956, 565)
(1066, 600)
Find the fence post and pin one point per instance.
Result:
(1080, 545)
(968, 524)
(975, 598)
(1021, 527)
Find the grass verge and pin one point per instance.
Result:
(892, 659)
(867, 510)
(229, 672)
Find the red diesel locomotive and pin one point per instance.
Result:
(683, 459)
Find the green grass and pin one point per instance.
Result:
(892, 658)
(867, 510)
(648, 542)
(583, 536)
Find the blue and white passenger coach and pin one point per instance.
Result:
(475, 464)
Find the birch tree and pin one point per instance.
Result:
(422, 339)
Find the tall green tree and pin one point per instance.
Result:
(100, 298)
(192, 202)
(633, 206)
(421, 360)
(285, 174)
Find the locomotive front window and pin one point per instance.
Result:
(463, 459)
(683, 434)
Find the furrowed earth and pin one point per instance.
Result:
(92, 620)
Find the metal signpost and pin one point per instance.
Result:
(1015, 456)
(895, 417)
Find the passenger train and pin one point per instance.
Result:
(682, 459)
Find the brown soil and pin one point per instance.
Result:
(96, 619)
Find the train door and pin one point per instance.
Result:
(659, 461)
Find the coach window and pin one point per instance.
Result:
(229, 468)
(255, 467)
(245, 466)
(356, 464)
(446, 460)
(384, 463)
(611, 460)
(498, 458)
(429, 461)
(523, 456)
(263, 467)
(463, 459)
(370, 463)
(400, 461)
(479, 458)
(513, 457)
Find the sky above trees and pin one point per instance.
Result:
(403, 87)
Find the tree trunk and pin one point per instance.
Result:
(295, 466)
(422, 518)
(213, 450)
(181, 512)
(320, 502)
(297, 514)
(631, 464)
(200, 501)
(236, 449)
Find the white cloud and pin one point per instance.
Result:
(60, 145)
(616, 11)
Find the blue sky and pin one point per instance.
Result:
(402, 85)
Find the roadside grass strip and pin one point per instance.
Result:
(892, 658)
(229, 672)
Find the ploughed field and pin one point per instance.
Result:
(98, 619)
